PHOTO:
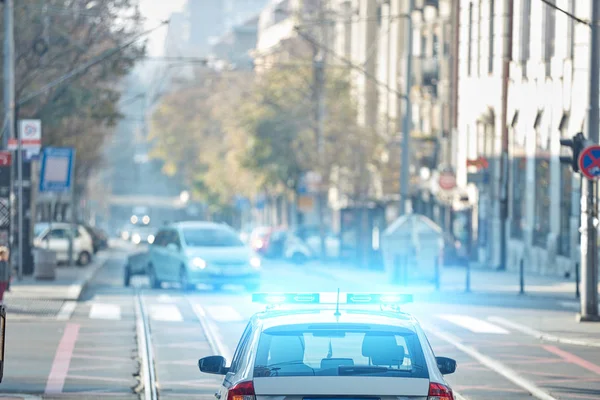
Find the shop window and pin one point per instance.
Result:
(566, 189)
(541, 227)
(519, 165)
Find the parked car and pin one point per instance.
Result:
(301, 249)
(193, 253)
(56, 237)
(99, 238)
(137, 264)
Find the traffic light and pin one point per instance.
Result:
(577, 144)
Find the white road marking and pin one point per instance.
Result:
(492, 364)
(542, 335)
(66, 310)
(105, 311)
(165, 298)
(165, 312)
(212, 333)
(224, 314)
(474, 324)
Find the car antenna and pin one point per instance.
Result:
(337, 304)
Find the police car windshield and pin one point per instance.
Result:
(339, 352)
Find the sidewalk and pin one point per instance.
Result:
(69, 283)
(453, 280)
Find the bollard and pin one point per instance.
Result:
(521, 277)
(577, 281)
(437, 273)
(468, 280)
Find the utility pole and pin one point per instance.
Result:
(589, 195)
(406, 124)
(319, 60)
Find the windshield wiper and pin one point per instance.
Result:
(360, 370)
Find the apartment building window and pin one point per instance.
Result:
(479, 35)
(541, 225)
(549, 34)
(519, 175)
(566, 189)
(525, 32)
(491, 41)
(470, 48)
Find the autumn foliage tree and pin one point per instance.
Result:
(53, 38)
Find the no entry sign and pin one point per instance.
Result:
(589, 162)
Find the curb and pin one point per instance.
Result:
(85, 282)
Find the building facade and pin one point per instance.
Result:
(546, 101)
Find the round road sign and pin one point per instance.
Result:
(447, 181)
(589, 162)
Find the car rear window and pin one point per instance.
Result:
(339, 352)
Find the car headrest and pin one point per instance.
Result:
(286, 349)
(382, 349)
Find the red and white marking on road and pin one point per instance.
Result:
(573, 359)
(62, 360)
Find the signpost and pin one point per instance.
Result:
(57, 176)
(30, 132)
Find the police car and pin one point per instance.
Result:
(315, 346)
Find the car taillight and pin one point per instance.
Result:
(242, 391)
(437, 391)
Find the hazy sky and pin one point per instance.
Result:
(155, 11)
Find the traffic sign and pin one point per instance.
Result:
(30, 132)
(589, 162)
(57, 169)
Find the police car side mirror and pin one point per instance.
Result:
(213, 365)
(446, 365)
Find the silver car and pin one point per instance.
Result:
(194, 253)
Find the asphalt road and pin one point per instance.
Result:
(91, 349)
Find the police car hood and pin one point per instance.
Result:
(221, 254)
(315, 386)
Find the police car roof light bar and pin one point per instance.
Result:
(336, 298)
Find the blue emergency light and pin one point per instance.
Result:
(275, 299)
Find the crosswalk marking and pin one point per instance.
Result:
(105, 311)
(224, 314)
(165, 312)
(66, 310)
(474, 324)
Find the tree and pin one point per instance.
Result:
(54, 39)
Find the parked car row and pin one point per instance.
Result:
(87, 240)
(298, 246)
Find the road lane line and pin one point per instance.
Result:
(473, 324)
(224, 314)
(492, 364)
(212, 333)
(66, 310)
(573, 359)
(62, 360)
(541, 335)
(105, 311)
(165, 312)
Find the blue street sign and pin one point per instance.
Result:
(589, 162)
(57, 169)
